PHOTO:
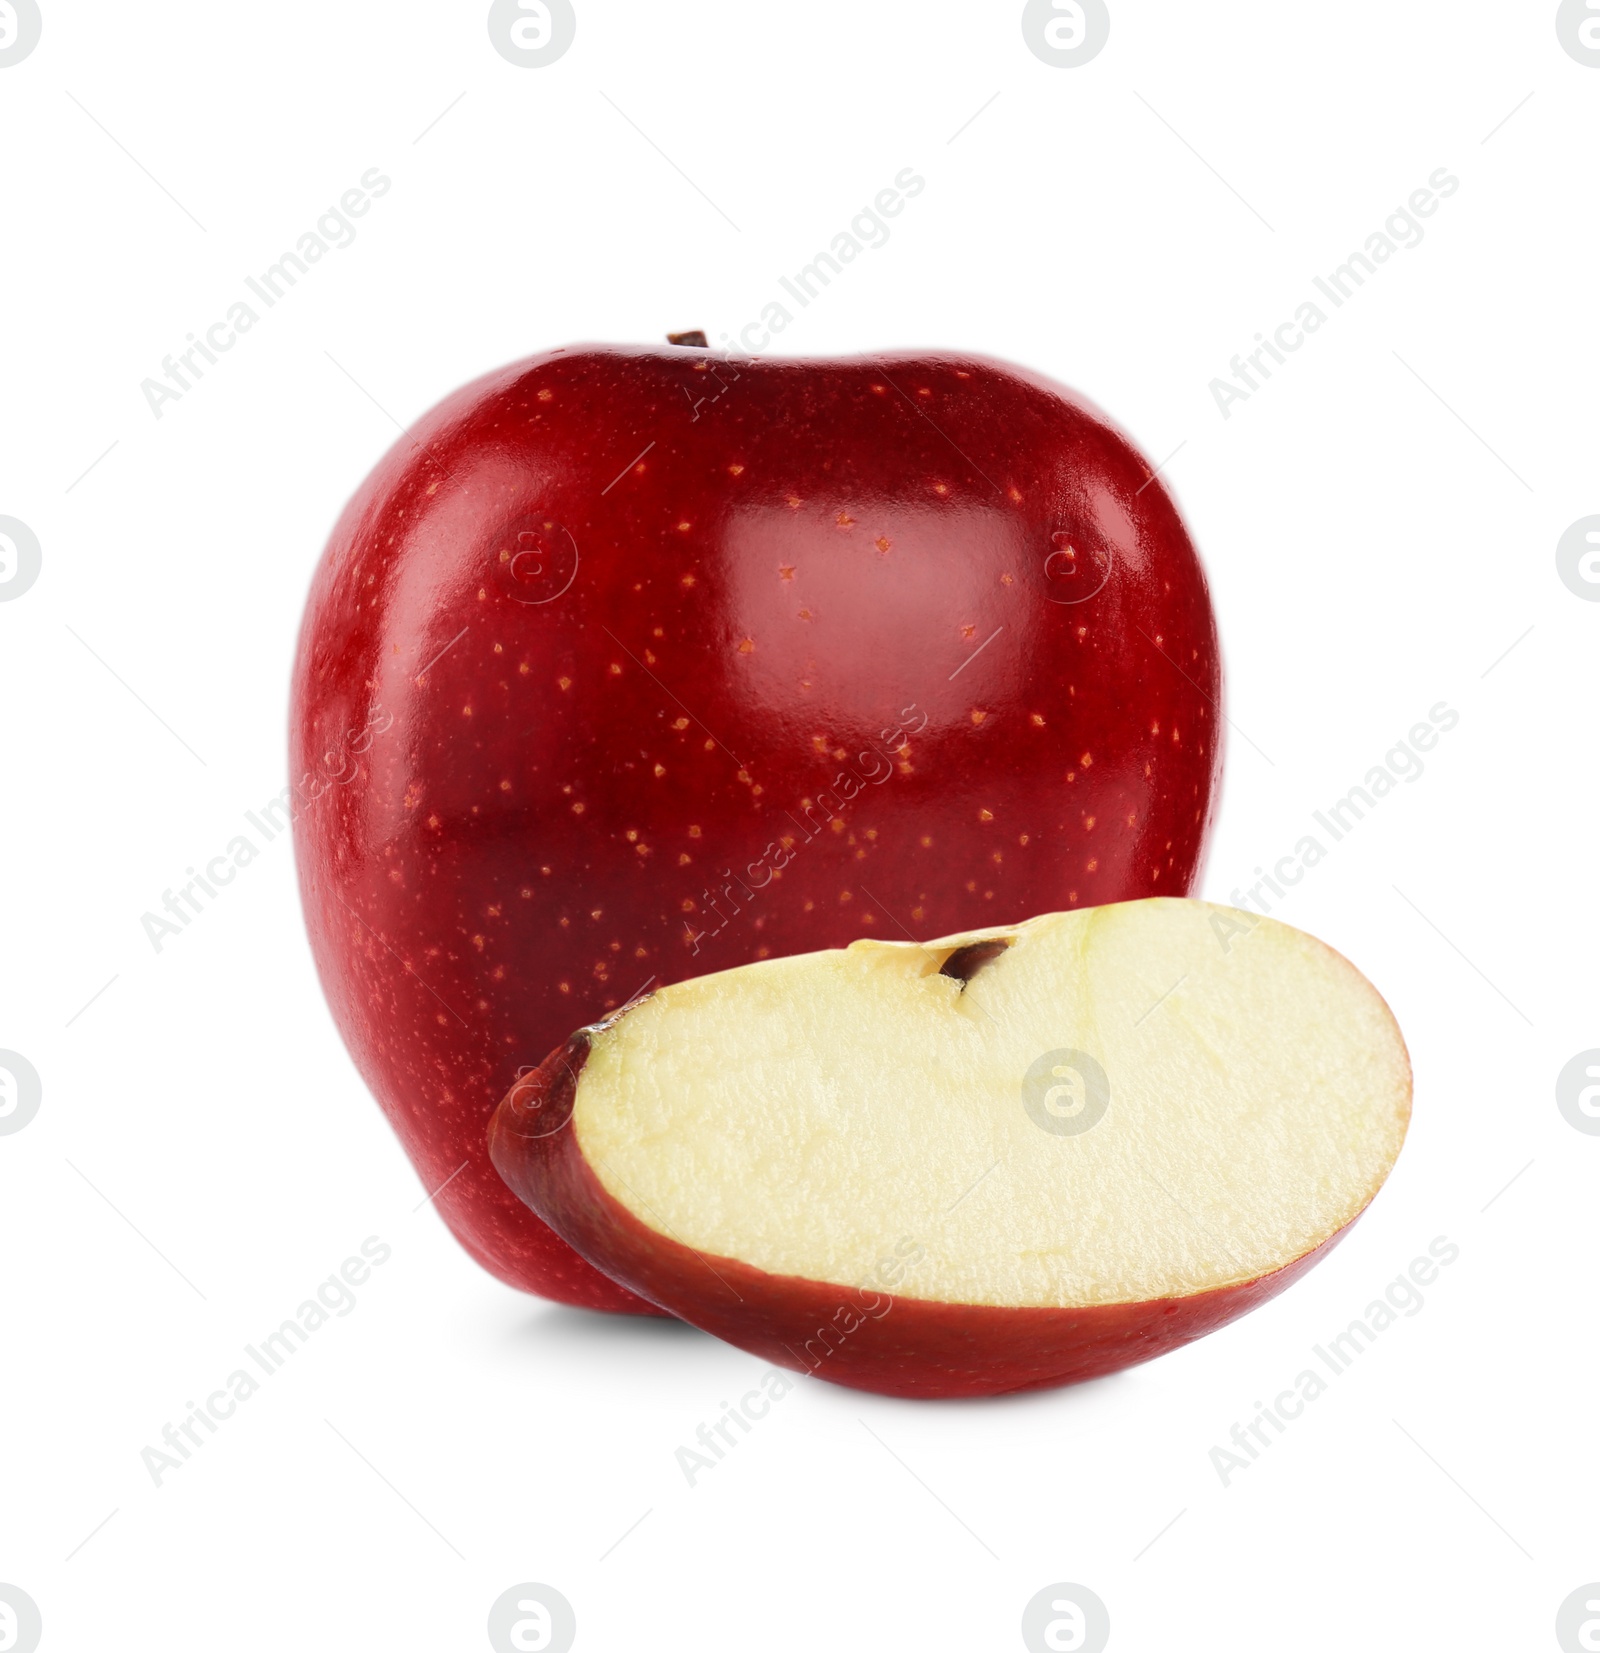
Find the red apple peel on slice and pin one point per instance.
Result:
(1004, 1160)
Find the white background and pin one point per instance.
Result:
(1379, 524)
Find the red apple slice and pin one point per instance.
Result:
(1004, 1160)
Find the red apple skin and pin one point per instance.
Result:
(863, 1338)
(936, 600)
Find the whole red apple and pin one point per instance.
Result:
(629, 664)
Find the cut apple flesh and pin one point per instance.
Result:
(1156, 1110)
(803, 1114)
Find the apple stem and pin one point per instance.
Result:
(694, 337)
